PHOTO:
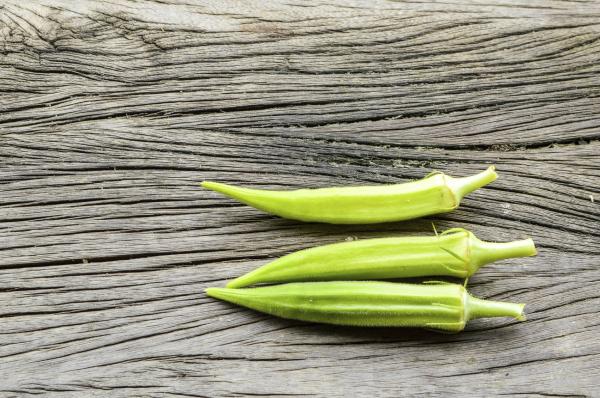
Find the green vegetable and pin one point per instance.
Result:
(440, 306)
(456, 252)
(436, 193)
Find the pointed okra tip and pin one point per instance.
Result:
(248, 279)
(225, 189)
(213, 186)
(217, 292)
(237, 283)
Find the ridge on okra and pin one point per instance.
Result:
(436, 193)
(440, 306)
(456, 253)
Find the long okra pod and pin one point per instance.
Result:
(456, 252)
(437, 193)
(445, 307)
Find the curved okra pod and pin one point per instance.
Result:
(446, 307)
(456, 252)
(436, 193)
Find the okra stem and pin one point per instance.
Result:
(463, 185)
(477, 308)
(487, 252)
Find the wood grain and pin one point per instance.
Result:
(112, 112)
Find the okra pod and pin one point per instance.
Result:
(456, 252)
(440, 306)
(436, 193)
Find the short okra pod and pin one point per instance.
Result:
(456, 253)
(446, 307)
(436, 193)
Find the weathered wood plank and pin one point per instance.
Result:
(111, 113)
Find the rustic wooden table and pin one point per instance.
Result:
(112, 112)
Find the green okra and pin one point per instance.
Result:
(436, 193)
(441, 306)
(456, 252)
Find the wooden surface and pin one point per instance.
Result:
(112, 112)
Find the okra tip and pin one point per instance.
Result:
(250, 278)
(238, 282)
(218, 293)
(238, 193)
(213, 186)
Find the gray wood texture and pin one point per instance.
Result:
(112, 112)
